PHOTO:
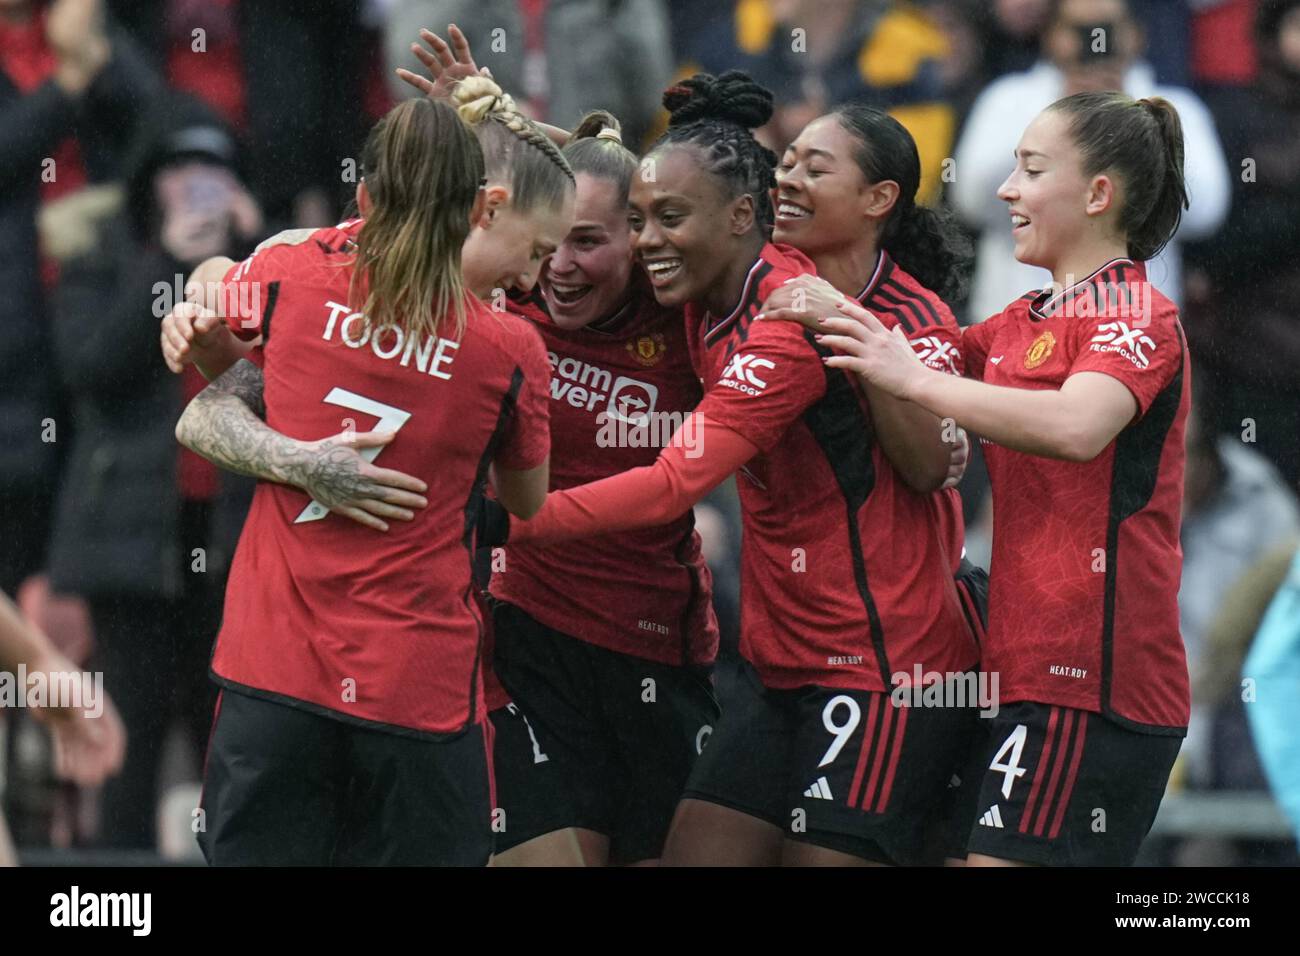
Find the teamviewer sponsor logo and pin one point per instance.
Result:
(743, 373)
(1132, 343)
(632, 401)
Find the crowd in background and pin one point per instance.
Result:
(140, 137)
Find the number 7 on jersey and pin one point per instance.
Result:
(390, 420)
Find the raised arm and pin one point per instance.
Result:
(450, 63)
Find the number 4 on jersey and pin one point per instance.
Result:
(390, 420)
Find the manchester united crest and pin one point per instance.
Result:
(648, 349)
(1040, 350)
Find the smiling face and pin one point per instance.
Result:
(681, 219)
(821, 195)
(586, 278)
(507, 250)
(1047, 193)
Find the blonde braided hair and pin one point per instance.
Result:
(538, 175)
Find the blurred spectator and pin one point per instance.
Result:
(1274, 665)
(1248, 331)
(1236, 509)
(63, 73)
(303, 91)
(817, 54)
(558, 58)
(1011, 33)
(141, 531)
(1223, 42)
(1072, 63)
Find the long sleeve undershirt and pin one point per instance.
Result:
(642, 497)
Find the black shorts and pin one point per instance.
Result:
(287, 787)
(594, 739)
(848, 770)
(1060, 787)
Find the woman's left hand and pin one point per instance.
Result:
(863, 345)
(447, 65)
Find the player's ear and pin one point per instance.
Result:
(364, 205)
(879, 198)
(494, 201)
(1101, 195)
(742, 215)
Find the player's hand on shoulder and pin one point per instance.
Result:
(805, 299)
(335, 473)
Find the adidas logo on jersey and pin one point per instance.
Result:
(992, 818)
(740, 374)
(820, 790)
(1130, 343)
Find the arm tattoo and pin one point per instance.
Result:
(223, 424)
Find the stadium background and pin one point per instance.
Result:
(116, 544)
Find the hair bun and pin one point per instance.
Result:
(477, 97)
(598, 124)
(731, 97)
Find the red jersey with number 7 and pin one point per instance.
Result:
(1083, 588)
(321, 612)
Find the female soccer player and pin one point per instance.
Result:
(845, 582)
(351, 724)
(1082, 402)
(604, 643)
(846, 198)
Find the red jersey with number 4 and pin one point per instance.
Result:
(320, 611)
(619, 390)
(1083, 600)
(845, 578)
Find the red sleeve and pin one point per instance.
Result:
(939, 347)
(975, 347)
(771, 379)
(247, 295)
(527, 441)
(703, 455)
(1144, 356)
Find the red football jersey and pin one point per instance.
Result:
(897, 299)
(1083, 600)
(619, 389)
(845, 580)
(373, 627)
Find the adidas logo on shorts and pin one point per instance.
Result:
(820, 790)
(992, 817)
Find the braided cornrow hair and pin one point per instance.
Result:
(717, 114)
(538, 175)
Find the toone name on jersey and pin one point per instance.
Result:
(432, 355)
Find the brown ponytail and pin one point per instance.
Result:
(422, 169)
(1141, 141)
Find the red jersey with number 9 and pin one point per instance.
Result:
(324, 613)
